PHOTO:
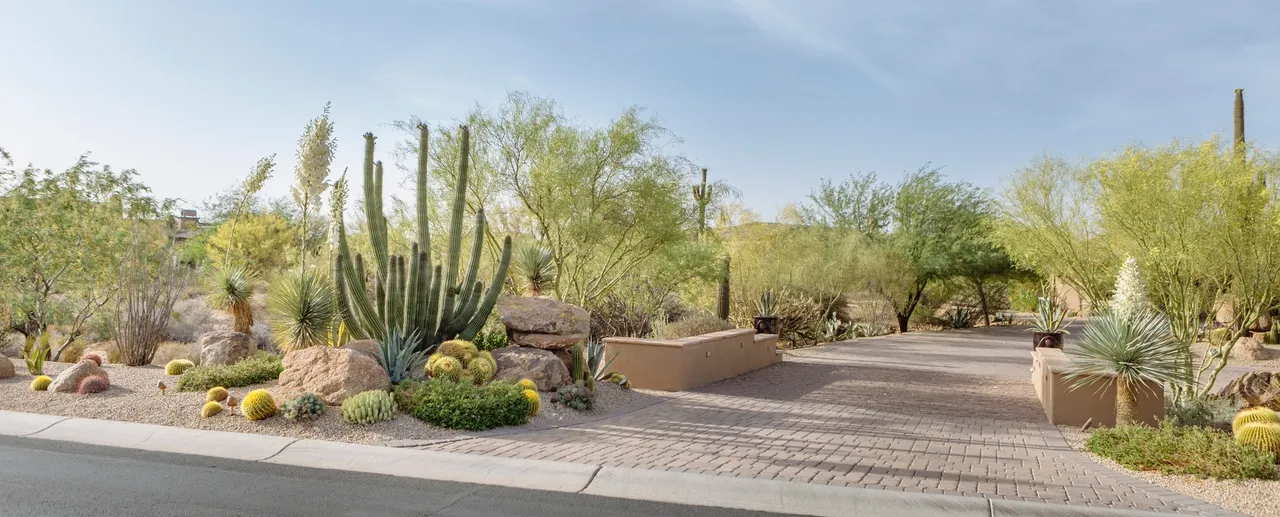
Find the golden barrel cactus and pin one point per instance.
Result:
(210, 408)
(1253, 415)
(1265, 436)
(216, 394)
(535, 401)
(258, 405)
(178, 366)
(527, 384)
(41, 383)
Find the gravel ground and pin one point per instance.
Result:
(134, 397)
(1272, 363)
(1252, 497)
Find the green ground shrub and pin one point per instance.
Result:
(1174, 449)
(462, 405)
(692, 325)
(1200, 412)
(258, 369)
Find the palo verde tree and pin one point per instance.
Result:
(406, 297)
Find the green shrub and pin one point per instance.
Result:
(577, 396)
(490, 340)
(254, 370)
(1199, 412)
(463, 405)
(1172, 449)
(693, 325)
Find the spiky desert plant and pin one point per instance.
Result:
(400, 355)
(448, 367)
(1264, 436)
(702, 196)
(369, 407)
(209, 409)
(535, 268)
(482, 367)
(258, 405)
(230, 289)
(93, 384)
(527, 384)
(216, 394)
(41, 383)
(576, 396)
(34, 358)
(300, 307)
(459, 349)
(1130, 296)
(1134, 351)
(767, 307)
(722, 291)
(307, 406)
(1254, 415)
(178, 366)
(579, 362)
(408, 294)
(535, 401)
(96, 357)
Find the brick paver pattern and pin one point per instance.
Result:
(949, 413)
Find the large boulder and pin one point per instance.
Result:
(541, 366)
(69, 379)
(333, 374)
(1251, 349)
(1254, 389)
(543, 323)
(225, 347)
(367, 347)
(6, 368)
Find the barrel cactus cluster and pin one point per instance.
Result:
(459, 361)
(1258, 427)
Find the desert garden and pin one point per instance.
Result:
(534, 272)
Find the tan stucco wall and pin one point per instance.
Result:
(1095, 401)
(681, 364)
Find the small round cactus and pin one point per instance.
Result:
(535, 401)
(308, 406)
(483, 367)
(368, 407)
(258, 405)
(93, 356)
(1254, 415)
(178, 366)
(1265, 436)
(216, 394)
(460, 349)
(431, 363)
(449, 367)
(210, 408)
(93, 384)
(41, 383)
(527, 384)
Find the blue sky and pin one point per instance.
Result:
(769, 94)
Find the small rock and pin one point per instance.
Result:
(225, 347)
(1254, 389)
(333, 374)
(69, 379)
(541, 366)
(6, 368)
(543, 316)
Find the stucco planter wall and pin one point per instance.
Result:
(1095, 401)
(686, 363)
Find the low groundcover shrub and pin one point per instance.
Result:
(462, 405)
(1173, 449)
(254, 370)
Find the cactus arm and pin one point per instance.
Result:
(432, 313)
(409, 320)
(490, 297)
(450, 285)
(461, 315)
(373, 204)
(422, 294)
(424, 224)
(344, 306)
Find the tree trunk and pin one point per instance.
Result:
(982, 299)
(903, 319)
(904, 315)
(242, 316)
(1126, 404)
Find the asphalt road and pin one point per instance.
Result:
(60, 479)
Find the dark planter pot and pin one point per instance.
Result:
(765, 324)
(1046, 340)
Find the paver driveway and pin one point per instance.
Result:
(949, 412)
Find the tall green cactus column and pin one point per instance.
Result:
(414, 299)
(722, 291)
(702, 196)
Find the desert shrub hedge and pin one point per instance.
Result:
(258, 369)
(462, 405)
(1181, 450)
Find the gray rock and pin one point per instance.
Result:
(69, 379)
(547, 341)
(541, 366)
(225, 347)
(531, 315)
(6, 368)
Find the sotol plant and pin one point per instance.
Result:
(535, 268)
(231, 289)
(408, 294)
(301, 309)
(1134, 351)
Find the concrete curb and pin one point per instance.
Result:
(626, 483)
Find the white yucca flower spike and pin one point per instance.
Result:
(315, 155)
(1130, 297)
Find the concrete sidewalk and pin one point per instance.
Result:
(558, 476)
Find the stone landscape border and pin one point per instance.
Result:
(627, 483)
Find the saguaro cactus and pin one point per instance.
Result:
(722, 294)
(1238, 140)
(409, 296)
(702, 195)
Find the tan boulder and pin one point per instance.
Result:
(367, 347)
(6, 368)
(541, 366)
(1250, 348)
(333, 374)
(69, 379)
(225, 347)
(547, 341)
(532, 315)
(1254, 389)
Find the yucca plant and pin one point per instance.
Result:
(301, 307)
(535, 268)
(230, 288)
(400, 355)
(1134, 351)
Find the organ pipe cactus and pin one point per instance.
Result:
(407, 294)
